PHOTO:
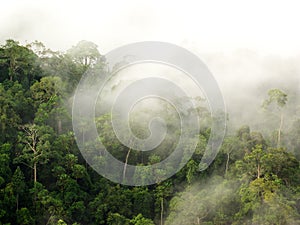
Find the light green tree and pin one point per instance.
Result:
(35, 142)
(140, 220)
(279, 98)
(84, 53)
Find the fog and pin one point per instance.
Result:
(214, 26)
(246, 76)
(249, 47)
(200, 200)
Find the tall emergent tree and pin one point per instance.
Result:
(35, 141)
(278, 97)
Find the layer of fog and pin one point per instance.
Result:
(203, 28)
(245, 77)
(200, 201)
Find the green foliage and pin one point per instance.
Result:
(117, 219)
(9, 118)
(18, 63)
(24, 217)
(45, 180)
(140, 220)
(85, 53)
(276, 96)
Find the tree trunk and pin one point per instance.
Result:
(162, 211)
(34, 172)
(59, 127)
(34, 184)
(125, 165)
(86, 61)
(258, 170)
(227, 163)
(279, 131)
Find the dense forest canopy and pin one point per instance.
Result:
(255, 178)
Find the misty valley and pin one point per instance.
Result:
(44, 178)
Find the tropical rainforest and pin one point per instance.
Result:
(44, 179)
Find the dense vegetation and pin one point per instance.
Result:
(255, 178)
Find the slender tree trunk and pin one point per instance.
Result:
(34, 184)
(34, 172)
(162, 211)
(125, 165)
(59, 126)
(279, 131)
(258, 170)
(227, 163)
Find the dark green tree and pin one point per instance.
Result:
(18, 185)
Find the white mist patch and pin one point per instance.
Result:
(245, 76)
(142, 70)
(200, 201)
(146, 107)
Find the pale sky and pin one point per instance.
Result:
(268, 27)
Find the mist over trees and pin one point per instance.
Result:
(254, 179)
